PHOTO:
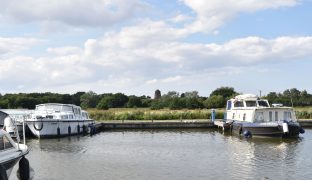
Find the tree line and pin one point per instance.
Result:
(172, 99)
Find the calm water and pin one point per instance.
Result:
(171, 154)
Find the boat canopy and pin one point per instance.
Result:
(246, 97)
(247, 101)
(54, 107)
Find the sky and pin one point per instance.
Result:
(138, 46)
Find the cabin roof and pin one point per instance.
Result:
(58, 104)
(246, 97)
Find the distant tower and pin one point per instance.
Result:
(157, 94)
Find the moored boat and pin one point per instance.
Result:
(56, 120)
(10, 153)
(249, 115)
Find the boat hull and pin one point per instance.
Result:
(265, 129)
(58, 128)
(10, 164)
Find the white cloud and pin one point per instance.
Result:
(211, 14)
(15, 44)
(115, 66)
(67, 50)
(172, 79)
(71, 12)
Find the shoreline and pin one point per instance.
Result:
(167, 124)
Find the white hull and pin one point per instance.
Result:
(57, 128)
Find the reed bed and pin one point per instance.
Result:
(148, 114)
(167, 114)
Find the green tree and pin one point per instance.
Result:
(102, 104)
(215, 101)
(177, 103)
(225, 92)
(156, 104)
(89, 100)
(134, 102)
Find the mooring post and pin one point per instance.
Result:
(213, 115)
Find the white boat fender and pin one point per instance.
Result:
(3, 174)
(24, 169)
(247, 134)
(58, 131)
(69, 130)
(301, 130)
(285, 127)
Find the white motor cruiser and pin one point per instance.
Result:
(56, 120)
(10, 153)
(249, 115)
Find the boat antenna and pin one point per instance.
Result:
(260, 93)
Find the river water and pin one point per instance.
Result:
(170, 154)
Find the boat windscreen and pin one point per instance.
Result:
(49, 108)
(2, 116)
(251, 103)
(262, 103)
(5, 143)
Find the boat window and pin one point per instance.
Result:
(64, 116)
(262, 103)
(5, 143)
(71, 116)
(239, 104)
(233, 116)
(259, 117)
(49, 116)
(67, 108)
(49, 107)
(270, 116)
(244, 117)
(251, 103)
(287, 115)
(229, 105)
(276, 116)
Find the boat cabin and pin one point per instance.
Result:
(59, 111)
(251, 108)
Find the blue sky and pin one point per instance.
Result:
(138, 46)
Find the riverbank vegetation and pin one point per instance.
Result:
(168, 114)
(171, 105)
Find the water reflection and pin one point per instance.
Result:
(171, 154)
(62, 145)
(263, 157)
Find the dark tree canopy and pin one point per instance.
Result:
(225, 92)
(171, 100)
